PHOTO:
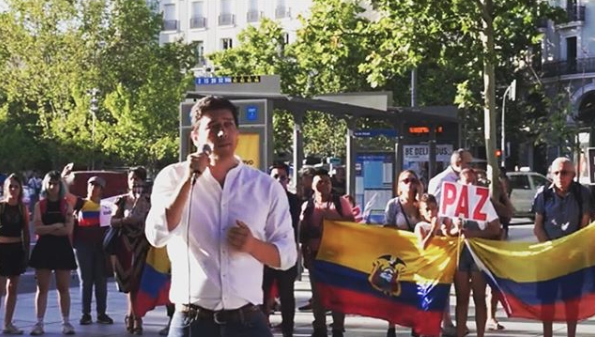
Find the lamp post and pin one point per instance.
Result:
(511, 92)
(93, 110)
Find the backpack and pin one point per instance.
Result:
(575, 190)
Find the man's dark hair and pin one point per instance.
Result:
(212, 103)
(280, 166)
(139, 171)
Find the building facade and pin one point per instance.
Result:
(214, 24)
(568, 66)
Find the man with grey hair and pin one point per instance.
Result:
(459, 160)
(560, 210)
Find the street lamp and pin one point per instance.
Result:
(93, 110)
(511, 93)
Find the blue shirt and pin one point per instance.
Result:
(560, 213)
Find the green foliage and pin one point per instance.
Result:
(54, 52)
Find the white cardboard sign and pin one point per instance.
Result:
(466, 201)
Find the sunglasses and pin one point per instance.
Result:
(562, 173)
(280, 177)
(409, 180)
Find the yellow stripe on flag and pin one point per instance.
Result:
(358, 246)
(527, 262)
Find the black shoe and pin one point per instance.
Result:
(86, 319)
(391, 332)
(104, 319)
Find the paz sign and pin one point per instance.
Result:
(466, 201)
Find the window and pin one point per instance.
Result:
(281, 11)
(226, 43)
(200, 53)
(253, 14)
(539, 181)
(226, 16)
(169, 17)
(198, 19)
(225, 7)
(519, 182)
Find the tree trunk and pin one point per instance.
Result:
(489, 86)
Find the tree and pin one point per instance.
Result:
(468, 31)
(54, 52)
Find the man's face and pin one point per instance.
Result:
(322, 184)
(281, 176)
(562, 174)
(217, 129)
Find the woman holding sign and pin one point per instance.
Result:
(468, 276)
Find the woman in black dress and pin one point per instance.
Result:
(14, 246)
(53, 223)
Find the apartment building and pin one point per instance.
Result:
(215, 24)
(568, 64)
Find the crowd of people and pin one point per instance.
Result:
(232, 234)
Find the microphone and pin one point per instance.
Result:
(206, 149)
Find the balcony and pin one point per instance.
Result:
(282, 13)
(253, 16)
(575, 13)
(227, 19)
(579, 66)
(170, 25)
(198, 22)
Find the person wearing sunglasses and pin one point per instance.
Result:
(284, 279)
(402, 212)
(560, 210)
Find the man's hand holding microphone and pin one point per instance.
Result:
(198, 163)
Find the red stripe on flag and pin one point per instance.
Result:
(425, 323)
(573, 310)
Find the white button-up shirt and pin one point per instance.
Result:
(435, 184)
(208, 272)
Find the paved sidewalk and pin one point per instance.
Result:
(156, 319)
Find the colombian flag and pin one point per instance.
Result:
(550, 281)
(155, 282)
(383, 273)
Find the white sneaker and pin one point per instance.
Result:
(37, 329)
(10, 329)
(67, 329)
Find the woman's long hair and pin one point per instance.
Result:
(13, 177)
(55, 176)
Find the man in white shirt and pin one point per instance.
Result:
(221, 221)
(459, 160)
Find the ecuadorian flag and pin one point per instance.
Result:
(550, 281)
(383, 273)
(155, 282)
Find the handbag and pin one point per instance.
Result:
(111, 239)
